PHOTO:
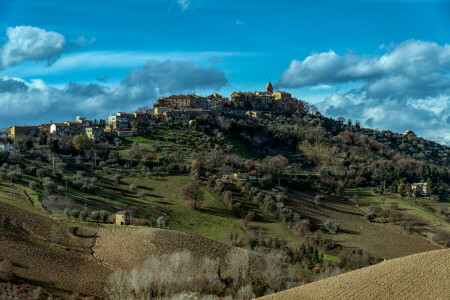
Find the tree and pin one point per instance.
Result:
(83, 215)
(104, 215)
(193, 192)
(67, 212)
(43, 138)
(28, 144)
(133, 188)
(137, 152)
(81, 142)
(72, 229)
(275, 166)
(95, 215)
(401, 189)
(137, 128)
(429, 186)
(75, 213)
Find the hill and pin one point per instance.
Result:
(419, 276)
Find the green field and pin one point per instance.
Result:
(368, 197)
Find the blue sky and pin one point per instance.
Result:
(386, 63)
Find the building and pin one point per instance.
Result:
(409, 133)
(94, 132)
(144, 118)
(267, 100)
(58, 129)
(421, 187)
(121, 121)
(212, 102)
(23, 132)
(8, 148)
(122, 218)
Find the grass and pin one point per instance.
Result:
(368, 197)
(240, 148)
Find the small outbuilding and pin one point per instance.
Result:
(123, 218)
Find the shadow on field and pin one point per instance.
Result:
(164, 202)
(155, 196)
(215, 211)
(349, 231)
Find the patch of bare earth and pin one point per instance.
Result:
(381, 240)
(130, 247)
(419, 276)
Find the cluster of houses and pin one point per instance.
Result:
(175, 108)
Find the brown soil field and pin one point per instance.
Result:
(82, 263)
(419, 276)
(383, 241)
(125, 248)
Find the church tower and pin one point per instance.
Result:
(269, 88)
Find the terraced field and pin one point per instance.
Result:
(383, 241)
(419, 276)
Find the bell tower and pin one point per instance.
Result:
(269, 88)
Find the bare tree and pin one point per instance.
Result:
(194, 193)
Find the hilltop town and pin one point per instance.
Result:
(180, 109)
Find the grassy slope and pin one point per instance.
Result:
(368, 197)
(380, 240)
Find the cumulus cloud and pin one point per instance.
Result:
(175, 76)
(413, 69)
(29, 102)
(30, 43)
(391, 88)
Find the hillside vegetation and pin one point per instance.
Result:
(301, 195)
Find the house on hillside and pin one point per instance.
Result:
(421, 187)
(123, 218)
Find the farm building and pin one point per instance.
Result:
(122, 218)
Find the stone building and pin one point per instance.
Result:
(267, 100)
(23, 132)
(123, 218)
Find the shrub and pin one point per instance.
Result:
(95, 215)
(75, 213)
(48, 185)
(370, 216)
(33, 185)
(67, 212)
(142, 194)
(6, 270)
(245, 293)
(355, 199)
(162, 222)
(319, 200)
(83, 215)
(140, 222)
(104, 215)
(72, 229)
(332, 226)
(133, 188)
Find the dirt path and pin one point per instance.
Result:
(419, 276)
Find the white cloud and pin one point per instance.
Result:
(30, 43)
(404, 89)
(183, 3)
(321, 87)
(239, 22)
(25, 102)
